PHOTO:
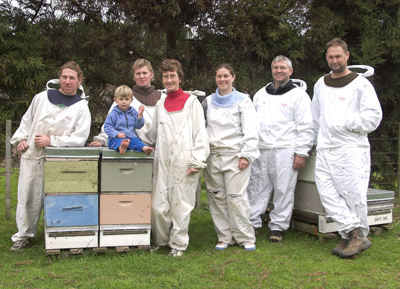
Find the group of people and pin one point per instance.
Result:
(248, 150)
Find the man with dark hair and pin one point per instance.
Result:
(55, 117)
(345, 109)
(286, 137)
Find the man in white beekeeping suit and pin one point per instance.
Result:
(55, 117)
(286, 136)
(345, 109)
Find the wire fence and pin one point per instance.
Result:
(385, 156)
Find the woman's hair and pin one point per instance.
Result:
(73, 66)
(173, 65)
(123, 91)
(141, 63)
(226, 66)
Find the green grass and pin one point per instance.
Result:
(300, 261)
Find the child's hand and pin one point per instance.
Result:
(140, 111)
(121, 135)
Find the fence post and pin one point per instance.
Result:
(198, 192)
(8, 170)
(398, 163)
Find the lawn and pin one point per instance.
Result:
(300, 261)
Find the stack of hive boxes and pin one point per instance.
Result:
(71, 198)
(96, 198)
(125, 199)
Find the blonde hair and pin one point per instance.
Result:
(123, 91)
(141, 63)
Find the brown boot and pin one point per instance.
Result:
(256, 232)
(356, 243)
(275, 237)
(341, 246)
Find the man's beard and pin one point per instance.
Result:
(338, 70)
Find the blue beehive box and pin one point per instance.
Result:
(71, 210)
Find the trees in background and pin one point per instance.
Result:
(23, 70)
(249, 34)
(106, 36)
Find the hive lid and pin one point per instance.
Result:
(72, 152)
(379, 195)
(112, 154)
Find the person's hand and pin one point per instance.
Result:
(243, 163)
(192, 171)
(140, 111)
(22, 146)
(42, 141)
(121, 135)
(95, 143)
(299, 162)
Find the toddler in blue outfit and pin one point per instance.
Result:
(122, 121)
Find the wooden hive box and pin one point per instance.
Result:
(125, 209)
(131, 172)
(71, 210)
(71, 237)
(124, 235)
(71, 170)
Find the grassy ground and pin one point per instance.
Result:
(300, 261)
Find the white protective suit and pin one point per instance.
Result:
(343, 116)
(285, 131)
(181, 141)
(233, 134)
(147, 115)
(66, 127)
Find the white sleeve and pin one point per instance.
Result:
(22, 132)
(255, 100)
(150, 137)
(304, 120)
(315, 111)
(250, 128)
(101, 137)
(201, 146)
(370, 114)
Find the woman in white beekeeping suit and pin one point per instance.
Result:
(181, 149)
(232, 129)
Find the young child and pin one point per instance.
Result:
(122, 121)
